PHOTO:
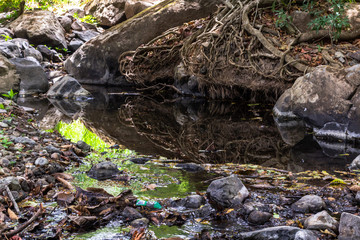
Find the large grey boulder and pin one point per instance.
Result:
(108, 12)
(309, 203)
(327, 100)
(349, 228)
(227, 192)
(40, 27)
(275, 233)
(32, 76)
(96, 62)
(321, 221)
(9, 79)
(67, 87)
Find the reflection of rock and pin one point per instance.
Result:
(51, 118)
(67, 88)
(68, 107)
(309, 155)
(41, 105)
(291, 132)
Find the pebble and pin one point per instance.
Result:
(321, 221)
(55, 156)
(41, 162)
(309, 203)
(4, 125)
(259, 218)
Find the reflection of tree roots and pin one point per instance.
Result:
(208, 139)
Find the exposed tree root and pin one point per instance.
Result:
(232, 49)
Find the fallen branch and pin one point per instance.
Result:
(26, 224)
(16, 207)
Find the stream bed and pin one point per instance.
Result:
(228, 136)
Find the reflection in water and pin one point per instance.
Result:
(194, 130)
(204, 131)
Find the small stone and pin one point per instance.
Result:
(4, 162)
(3, 125)
(227, 192)
(194, 201)
(190, 167)
(83, 146)
(19, 146)
(309, 203)
(51, 149)
(103, 170)
(41, 182)
(23, 140)
(321, 221)
(259, 218)
(141, 222)
(41, 162)
(55, 156)
(131, 214)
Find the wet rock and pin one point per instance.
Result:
(319, 97)
(51, 149)
(349, 227)
(10, 49)
(103, 171)
(227, 192)
(190, 167)
(249, 207)
(55, 168)
(32, 76)
(194, 201)
(86, 35)
(321, 221)
(40, 27)
(139, 223)
(282, 232)
(309, 203)
(25, 186)
(141, 160)
(259, 218)
(108, 13)
(67, 87)
(75, 44)
(23, 140)
(131, 214)
(83, 146)
(9, 79)
(41, 162)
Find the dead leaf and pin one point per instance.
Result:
(65, 183)
(65, 176)
(12, 215)
(64, 199)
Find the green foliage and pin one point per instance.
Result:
(7, 37)
(87, 19)
(333, 20)
(10, 94)
(5, 142)
(2, 106)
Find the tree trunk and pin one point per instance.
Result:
(96, 62)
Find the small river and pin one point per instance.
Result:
(198, 130)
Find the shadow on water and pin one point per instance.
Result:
(198, 130)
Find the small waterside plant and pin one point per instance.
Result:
(10, 94)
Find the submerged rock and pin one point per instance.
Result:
(103, 171)
(227, 192)
(309, 203)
